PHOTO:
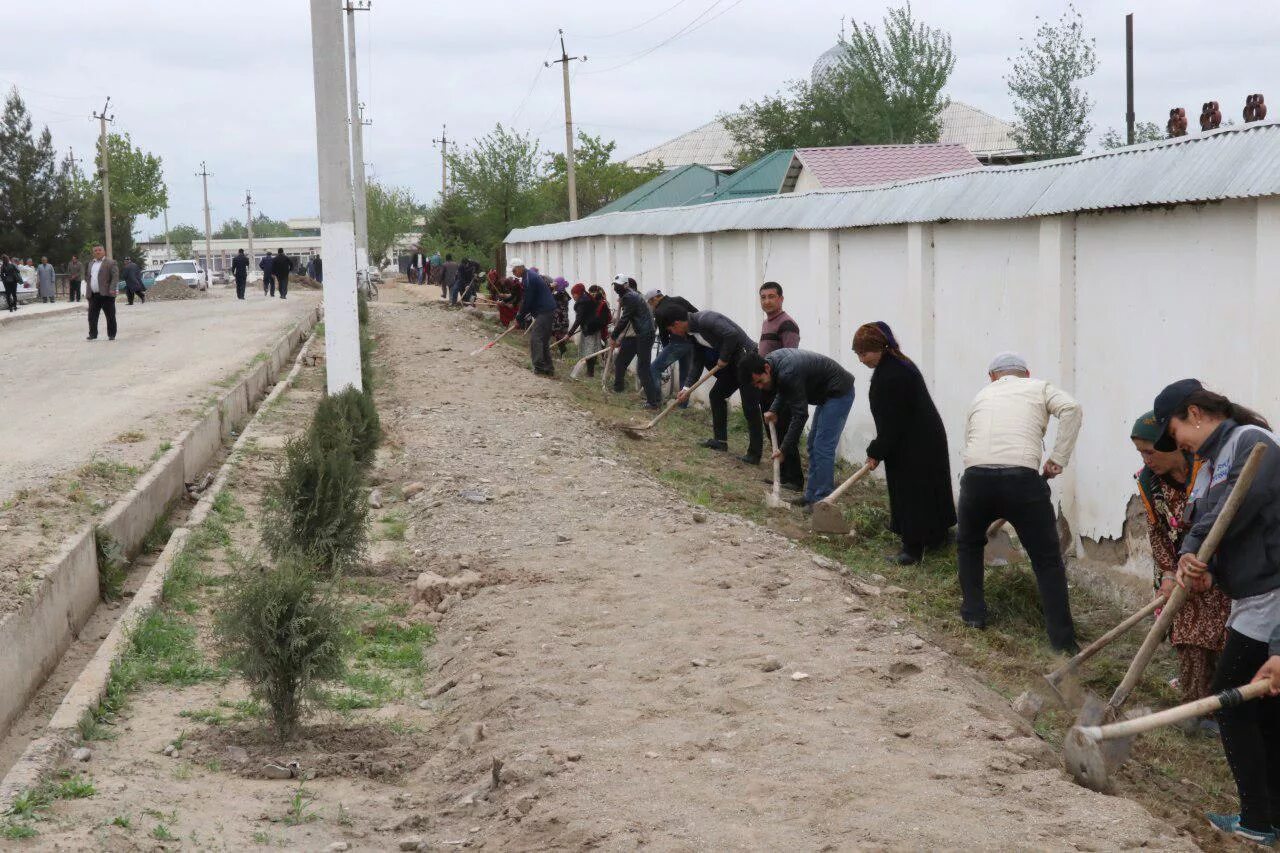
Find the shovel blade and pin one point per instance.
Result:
(827, 518)
(1000, 550)
(1087, 761)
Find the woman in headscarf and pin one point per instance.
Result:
(512, 296)
(911, 442)
(585, 313)
(1200, 628)
(560, 319)
(604, 314)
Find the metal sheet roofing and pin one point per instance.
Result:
(869, 165)
(666, 190)
(1235, 162)
(763, 177)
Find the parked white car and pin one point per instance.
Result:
(189, 271)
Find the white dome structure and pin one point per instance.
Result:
(828, 61)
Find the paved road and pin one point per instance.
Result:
(66, 399)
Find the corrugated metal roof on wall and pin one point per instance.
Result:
(1236, 162)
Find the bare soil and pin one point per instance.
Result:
(635, 672)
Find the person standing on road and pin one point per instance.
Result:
(777, 332)
(911, 441)
(319, 271)
(720, 342)
(132, 277)
(46, 281)
(1004, 478)
(800, 379)
(281, 266)
(268, 280)
(540, 306)
(675, 349)
(100, 288)
(11, 278)
(75, 272)
(448, 275)
(240, 269)
(632, 337)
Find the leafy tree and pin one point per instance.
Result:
(599, 180)
(1051, 109)
(181, 237)
(497, 177)
(886, 88)
(390, 212)
(137, 189)
(263, 226)
(451, 227)
(1143, 131)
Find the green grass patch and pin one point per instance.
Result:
(112, 565)
(394, 647)
(394, 527)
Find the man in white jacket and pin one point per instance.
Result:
(1004, 478)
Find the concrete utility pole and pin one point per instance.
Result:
(564, 61)
(248, 203)
(357, 136)
(208, 228)
(443, 142)
(105, 171)
(337, 226)
(168, 253)
(1129, 116)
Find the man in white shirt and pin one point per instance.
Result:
(1003, 478)
(101, 280)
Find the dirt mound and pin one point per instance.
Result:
(305, 281)
(328, 749)
(172, 287)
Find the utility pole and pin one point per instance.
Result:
(564, 61)
(168, 253)
(337, 226)
(357, 136)
(1129, 116)
(104, 170)
(248, 203)
(443, 142)
(208, 228)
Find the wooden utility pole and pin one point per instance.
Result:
(564, 61)
(1129, 116)
(443, 142)
(104, 171)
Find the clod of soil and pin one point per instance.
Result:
(173, 287)
(327, 749)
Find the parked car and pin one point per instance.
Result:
(149, 276)
(189, 271)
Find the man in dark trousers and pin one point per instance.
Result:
(11, 277)
(540, 305)
(777, 332)
(675, 349)
(449, 275)
(319, 273)
(131, 275)
(75, 272)
(632, 337)
(268, 280)
(281, 266)
(800, 379)
(719, 341)
(240, 269)
(102, 277)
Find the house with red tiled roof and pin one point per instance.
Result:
(848, 166)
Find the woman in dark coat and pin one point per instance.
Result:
(910, 441)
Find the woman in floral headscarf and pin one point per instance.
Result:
(911, 442)
(560, 319)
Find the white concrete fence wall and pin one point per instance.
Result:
(1109, 305)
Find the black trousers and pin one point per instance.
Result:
(141, 294)
(107, 306)
(724, 387)
(1250, 734)
(1021, 497)
(791, 471)
(640, 348)
(240, 282)
(283, 282)
(268, 284)
(73, 290)
(11, 296)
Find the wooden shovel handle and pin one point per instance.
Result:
(587, 358)
(847, 484)
(674, 402)
(495, 340)
(1179, 597)
(777, 463)
(1226, 699)
(1105, 640)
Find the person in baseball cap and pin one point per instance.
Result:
(1168, 402)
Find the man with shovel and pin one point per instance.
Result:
(800, 379)
(538, 306)
(1003, 478)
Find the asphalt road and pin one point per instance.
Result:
(66, 400)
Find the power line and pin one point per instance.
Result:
(541, 67)
(694, 25)
(643, 23)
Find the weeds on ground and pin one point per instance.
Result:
(132, 436)
(165, 447)
(158, 536)
(394, 527)
(31, 805)
(300, 810)
(112, 565)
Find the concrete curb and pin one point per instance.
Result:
(8, 319)
(36, 636)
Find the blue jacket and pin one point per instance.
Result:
(537, 296)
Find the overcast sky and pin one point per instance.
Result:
(230, 83)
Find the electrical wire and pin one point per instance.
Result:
(541, 67)
(643, 23)
(693, 26)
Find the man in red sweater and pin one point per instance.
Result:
(780, 332)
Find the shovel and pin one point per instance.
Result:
(827, 518)
(1000, 550)
(1068, 670)
(1092, 752)
(491, 343)
(1092, 714)
(773, 499)
(639, 431)
(576, 371)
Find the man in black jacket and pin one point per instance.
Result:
(281, 266)
(675, 349)
(632, 336)
(240, 269)
(131, 275)
(268, 280)
(800, 379)
(719, 341)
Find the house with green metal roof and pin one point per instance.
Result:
(670, 189)
(763, 177)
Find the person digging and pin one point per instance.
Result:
(800, 379)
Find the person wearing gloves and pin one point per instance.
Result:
(1004, 478)
(800, 379)
(675, 349)
(632, 337)
(720, 342)
(1246, 567)
(538, 307)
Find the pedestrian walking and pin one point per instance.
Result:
(268, 280)
(632, 337)
(11, 278)
(435, 269)
(538, 307)
(75, 272)
(318, 275)
(448, 276)
(1246, 566)
(1004, 478)
(131, 275)
(46, 281)
(911, 443)
(800, 379)
(779, 331)
(281, 266)
(101, 280)
(674, 348)
(240, 271)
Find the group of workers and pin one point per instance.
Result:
(1193, 444)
